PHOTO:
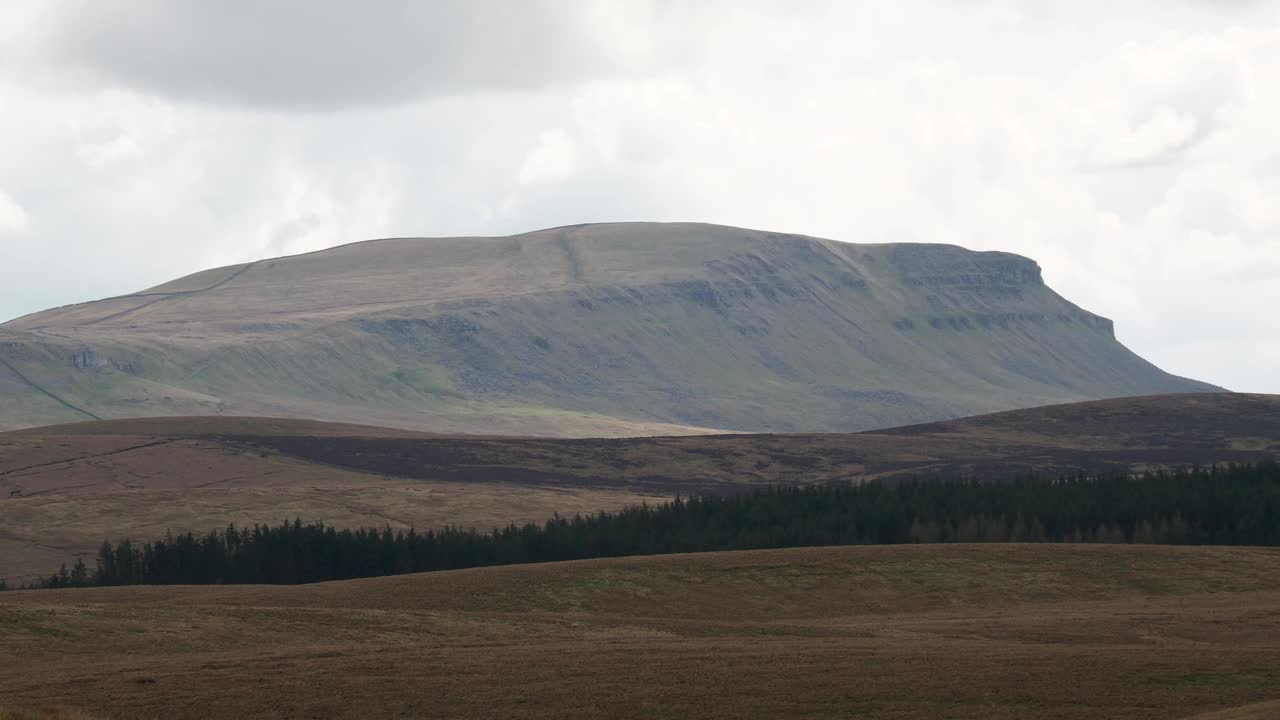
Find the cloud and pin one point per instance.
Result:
(328, 54)
(1133, 155)
(555, 158)
(13, 219)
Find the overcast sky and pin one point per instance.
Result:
(1132, 152)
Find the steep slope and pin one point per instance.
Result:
(617, 329)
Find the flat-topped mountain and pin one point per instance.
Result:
(612, 329)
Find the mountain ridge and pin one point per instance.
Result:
(604, 329)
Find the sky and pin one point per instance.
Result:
(1129, 147)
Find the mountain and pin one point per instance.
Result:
(64, 489)
(612, 329)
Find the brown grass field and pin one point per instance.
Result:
(66, 488)
(1257, 711)
(943, 631)
(44, 712)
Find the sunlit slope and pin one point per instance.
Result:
(616, 329)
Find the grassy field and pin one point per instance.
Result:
(1256, 711)
(992, 631)
(47, 712)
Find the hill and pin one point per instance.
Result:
(594, 330)
(907, 632)
(64, 489)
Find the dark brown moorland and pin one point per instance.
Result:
(63, 489)
(907, 632)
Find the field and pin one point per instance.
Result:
(64, 489)
(954, 631)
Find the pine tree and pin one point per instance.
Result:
(969, 531)
(1112, 535)
(1144, 533)
(79, 574)
(1235, 505)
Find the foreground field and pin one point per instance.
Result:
(43, 713)
(956, 631)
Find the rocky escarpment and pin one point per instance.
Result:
(598, 329)
(955, 283)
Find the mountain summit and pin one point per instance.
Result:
(609, 329)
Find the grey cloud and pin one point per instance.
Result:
(327, 54)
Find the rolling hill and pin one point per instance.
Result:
(64, 489)
(595, 330)
(908, 632)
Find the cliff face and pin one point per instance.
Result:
(593, 330)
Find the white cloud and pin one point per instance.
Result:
(555, 158)
(13, 219)
(1164, 131)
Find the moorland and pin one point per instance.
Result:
(911, 632)
(65, 489)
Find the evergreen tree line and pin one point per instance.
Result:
(1235, 505)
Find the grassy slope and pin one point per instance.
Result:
(903, 632)
(64, 489)
(62, 494)
(626, 329)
